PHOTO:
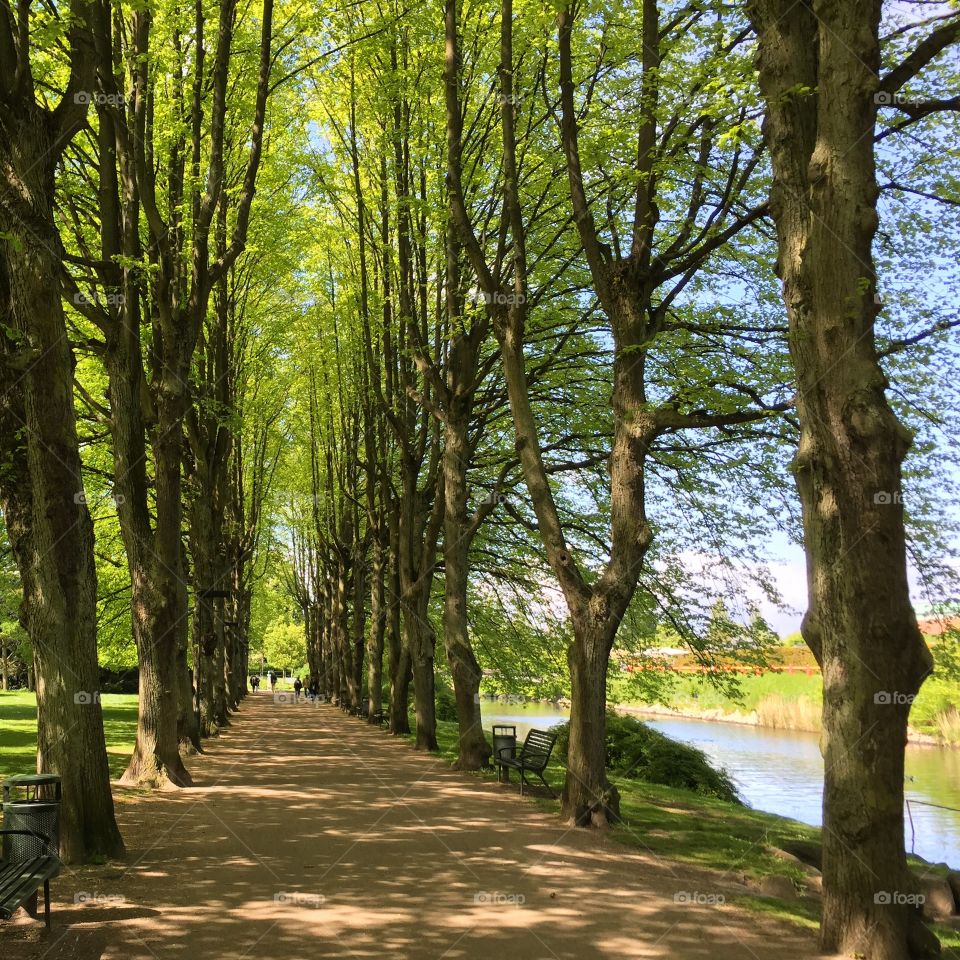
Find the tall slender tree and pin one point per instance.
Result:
(41, 491)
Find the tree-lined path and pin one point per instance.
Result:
(411, 860)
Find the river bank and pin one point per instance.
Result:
(756, 718)
(782, 700)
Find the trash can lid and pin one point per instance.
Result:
(31, 779)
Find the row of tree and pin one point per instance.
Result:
(550, 316)
(126, 208)
(498, 344)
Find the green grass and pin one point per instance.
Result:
(681, 825)
(754, 689)
(18, 731)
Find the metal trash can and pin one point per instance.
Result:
(504, 738)
(31, 802)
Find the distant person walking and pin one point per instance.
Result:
(272, 677)
(314, 688)
(255, 683)
(297, 687)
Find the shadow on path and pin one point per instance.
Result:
(311, 834)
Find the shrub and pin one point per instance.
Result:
(446, 703)
(639, 752)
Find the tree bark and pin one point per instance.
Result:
(819, 72)
(376, 630)
(473, 747)
(44, 507)
(47, 518)
(399, 655)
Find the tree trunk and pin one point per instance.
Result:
(400, 693)
(418, 535)
(588, 796)
(188, 719)
(819, 71)
(377, 629)
(419, 639)
(399, 656)
(344, 658)
(156, 756)
(204, 630)
(473, 747)
(358, 628)
(45, 511)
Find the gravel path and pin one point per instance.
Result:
(311, 835)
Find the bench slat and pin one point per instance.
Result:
(534, 754)
(19, 881)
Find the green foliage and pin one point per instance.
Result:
(284, 645)
(936, 709)
(637, 751)
(446, 703)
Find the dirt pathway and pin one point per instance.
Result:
(310, 834)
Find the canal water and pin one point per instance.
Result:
(782, 771)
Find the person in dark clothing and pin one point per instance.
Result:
(272, 677)
(297, 687)
(255, 683)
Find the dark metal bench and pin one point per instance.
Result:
(20, 881)
(533, 758)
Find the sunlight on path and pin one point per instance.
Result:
(310, 834)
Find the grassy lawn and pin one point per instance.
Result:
(18, 731)
(753, 688)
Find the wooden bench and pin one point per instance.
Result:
(20, 881)
(533, 758)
